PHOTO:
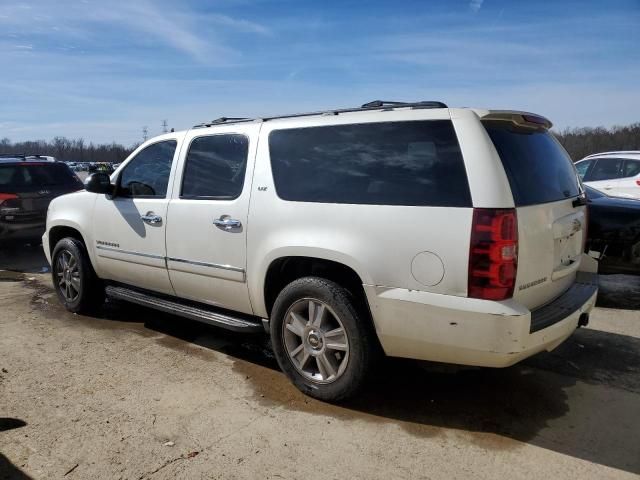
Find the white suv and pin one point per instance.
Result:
(614, 173)
(414, 230)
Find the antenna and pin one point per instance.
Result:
(145, 133)
(164, 126)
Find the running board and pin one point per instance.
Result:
(239, 323)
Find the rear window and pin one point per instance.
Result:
(538, 168)
(392, 163)
(26, 177)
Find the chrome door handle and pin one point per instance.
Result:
(151, 218)
(225, 222)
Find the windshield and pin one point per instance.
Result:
(538, 168)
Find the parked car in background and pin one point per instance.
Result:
(27, 184)
(614, 173)
(419, 230)
(614, 231)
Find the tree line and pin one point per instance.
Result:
(579, 142)
(69, 150)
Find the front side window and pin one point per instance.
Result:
(147, 174)
(215, 167)
(605, 169)
(631, 168)
(415, 163)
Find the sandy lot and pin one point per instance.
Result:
(135, 394)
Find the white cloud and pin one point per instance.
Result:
(475, 5)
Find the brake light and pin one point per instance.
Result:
(7, 196)
(493, 254)
(638, 182)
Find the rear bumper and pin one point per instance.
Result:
(27, 230)
(469, 331)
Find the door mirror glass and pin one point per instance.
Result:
(98, 183)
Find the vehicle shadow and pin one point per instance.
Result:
(582, 400)
(619, 291)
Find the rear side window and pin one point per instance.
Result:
(631, 168)
(147, 174)
(582, 168)
(538, 168)
(27, 177)
(393, 163)
(215, 167)
(605, 169)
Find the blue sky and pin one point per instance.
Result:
(103, 69)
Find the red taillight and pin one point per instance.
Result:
(7, 196)
(638, 182)
(493, 255)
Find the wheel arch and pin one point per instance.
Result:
(59, 231)
(283, 270)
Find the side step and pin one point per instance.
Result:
(235, 322)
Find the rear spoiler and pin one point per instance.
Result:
(522, 119)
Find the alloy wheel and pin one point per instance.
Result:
(315, 340)
(68, 275)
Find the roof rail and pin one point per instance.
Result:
(374, 105)
(13, 155)
(222, 120)
(422, 104)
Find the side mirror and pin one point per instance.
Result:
(98, 183)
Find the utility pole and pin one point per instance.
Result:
(145, 133)
(164, 126)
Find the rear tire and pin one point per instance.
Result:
(321, 341)
(76, 283)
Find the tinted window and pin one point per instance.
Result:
(538, 168)
(147, 174)
(215, 167)
(605, 169)
(392, 163)
(631, 168)
(582, 168)
(27, 177)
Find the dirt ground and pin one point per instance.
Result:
(134, 394)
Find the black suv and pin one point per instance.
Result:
(27, 184)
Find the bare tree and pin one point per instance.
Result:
(580, 142)
(69, 150)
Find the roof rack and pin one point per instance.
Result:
(374, 105)
(222, 120)
(385, 103)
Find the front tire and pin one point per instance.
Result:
(321, 341)
(76, 283)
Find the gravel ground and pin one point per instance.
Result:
(135, 394)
